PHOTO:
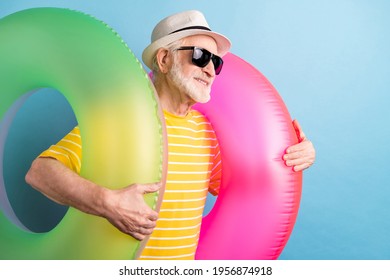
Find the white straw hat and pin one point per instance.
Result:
(178, 26)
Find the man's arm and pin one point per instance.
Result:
(124, 208)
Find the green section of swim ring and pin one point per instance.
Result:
(116, 108)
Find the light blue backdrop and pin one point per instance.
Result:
(329, 60)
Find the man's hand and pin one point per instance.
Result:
(126, 209)
(302, 155)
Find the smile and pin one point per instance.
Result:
(202, 81)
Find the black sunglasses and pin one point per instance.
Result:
(201, 57)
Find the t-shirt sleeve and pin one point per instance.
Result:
(67, 150)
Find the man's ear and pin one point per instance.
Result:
(164, 60)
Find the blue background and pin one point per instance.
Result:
(330, 62)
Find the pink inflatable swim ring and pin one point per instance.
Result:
(257, 206)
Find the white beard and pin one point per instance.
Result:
(188, 84)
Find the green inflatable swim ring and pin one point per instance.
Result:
(117, 109)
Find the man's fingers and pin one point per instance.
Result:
(142, 231)
(138, 236)
(294, 162)
(148, 214)
(149, 188)
(148, 223)
(145, 231)
(300, 167)
(301, 154)
(153, 216)
(293, 153)
(139, 230)
(303, 146)
(299, 163)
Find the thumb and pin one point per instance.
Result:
(151, 188)
(298, 130)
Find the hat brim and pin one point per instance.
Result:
(223, 43)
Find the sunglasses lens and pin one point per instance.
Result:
(202, 57)
(218, 62)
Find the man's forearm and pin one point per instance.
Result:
(64, 186)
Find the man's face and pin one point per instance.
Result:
(190, 79)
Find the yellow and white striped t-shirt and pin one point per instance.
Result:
(194, 168)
